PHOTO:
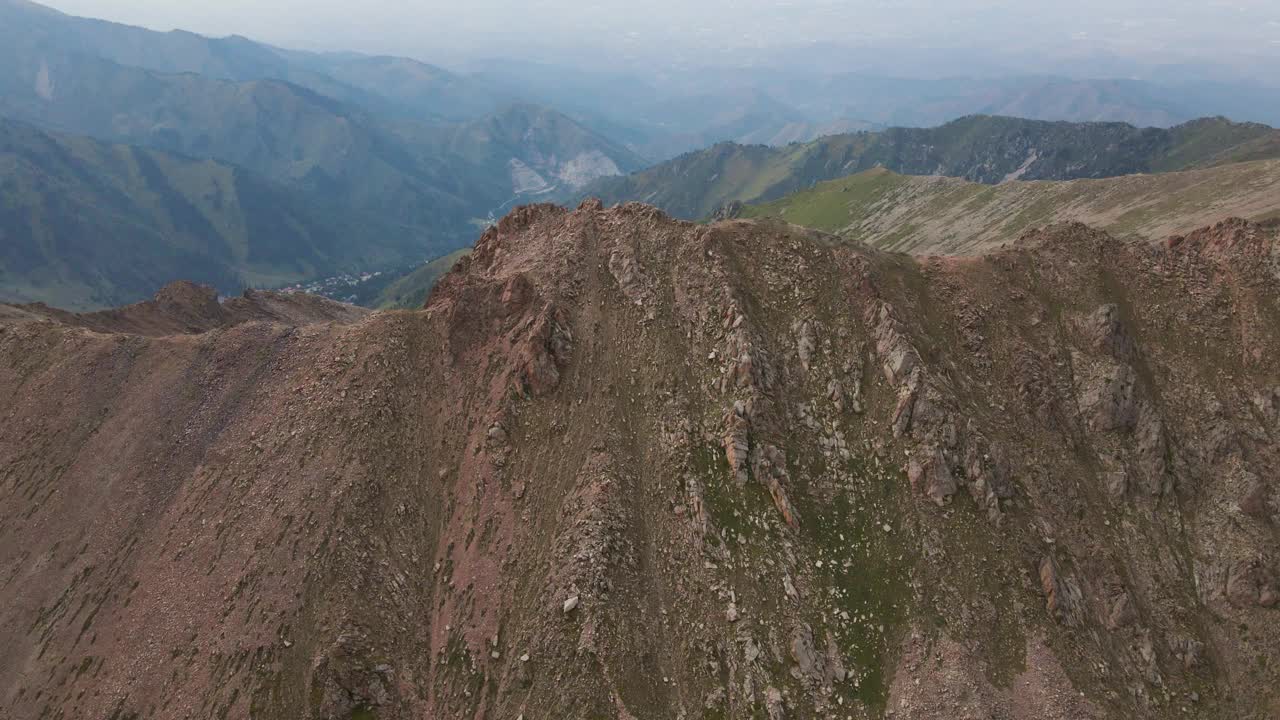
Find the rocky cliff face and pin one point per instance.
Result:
(624, 466)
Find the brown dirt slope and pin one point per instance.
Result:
(627, 467)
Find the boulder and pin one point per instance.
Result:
(806, 344)
(736, 445)
(812, 666)
(773, 704)
(1062, 595)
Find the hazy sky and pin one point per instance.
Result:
(434, 29)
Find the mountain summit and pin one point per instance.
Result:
(624, 466)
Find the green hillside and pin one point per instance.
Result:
(949, 215)
(981, 149)
(89, 224)
(410, 292)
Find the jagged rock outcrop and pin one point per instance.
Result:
(623, 466)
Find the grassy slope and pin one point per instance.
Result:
(983, 149)
(947, 215)
(410, 292)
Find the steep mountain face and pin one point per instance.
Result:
(624, 466)
(981, 149)
(940, 215)
(91, 224)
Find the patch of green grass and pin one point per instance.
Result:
(981, 198)
(894, 240)
(730, 509)
(864, 573)
(833, 205)
(1039, 212)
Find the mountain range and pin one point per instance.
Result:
(980, 148)
(367, 176)
(664, 114)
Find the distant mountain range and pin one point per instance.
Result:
(398, 85)
(311, 133)
(664, 114)
(982, 149)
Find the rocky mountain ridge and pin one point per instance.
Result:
(626, 466)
